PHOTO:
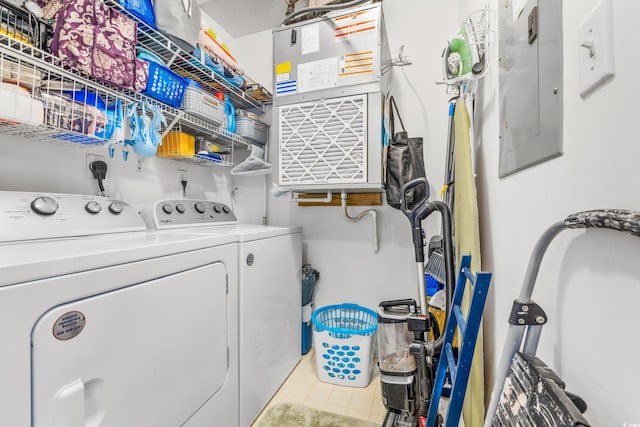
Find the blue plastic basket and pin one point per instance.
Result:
(142, 9)
(165, 85)
(343, 340)
(345, 320)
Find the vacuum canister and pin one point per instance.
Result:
(398, 367)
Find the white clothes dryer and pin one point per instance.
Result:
(269, 293)
(109, 325)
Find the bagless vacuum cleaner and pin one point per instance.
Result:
(406, 355)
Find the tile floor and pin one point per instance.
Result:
(304, 388)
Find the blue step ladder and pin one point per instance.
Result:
(469, 326)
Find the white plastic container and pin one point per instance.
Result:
(17, 106)
(343, 337)
(201, 104)
(252, 129)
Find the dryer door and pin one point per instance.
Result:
(146, 355)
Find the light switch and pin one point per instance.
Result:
(595, 38)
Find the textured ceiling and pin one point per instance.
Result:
(242, 17)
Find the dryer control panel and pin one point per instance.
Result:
(29, 216)
(189, 213)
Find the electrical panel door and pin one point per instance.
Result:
(530, 83)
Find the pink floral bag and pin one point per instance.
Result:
(99, 41)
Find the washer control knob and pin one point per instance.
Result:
(200, 207)
(180, 208)
(217, 208)
(93, 207)
(115, 208)
(44, 205)
(167, 208)
(226, 209)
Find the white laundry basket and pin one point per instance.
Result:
(343, 337)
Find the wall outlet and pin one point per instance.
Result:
(93, 158)
(182, 175)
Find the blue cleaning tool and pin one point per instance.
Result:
(230, 111)
(145, 130)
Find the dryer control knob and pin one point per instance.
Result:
(44, 205)
(180, 208)
(226, 209)
(200, 207)
(115, 208)
(217, 208)
(93, 207)
(167, 208)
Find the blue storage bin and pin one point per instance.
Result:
(142, 9)
(165, 85)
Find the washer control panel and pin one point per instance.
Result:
(28, 216)
(190, 213)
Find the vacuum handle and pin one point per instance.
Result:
(414, 213)
(409, 302)
(614, 219)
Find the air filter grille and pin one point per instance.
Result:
(324, 142)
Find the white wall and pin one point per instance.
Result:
(28, 165)
(588, 282)
(254, 54)
(341, 250)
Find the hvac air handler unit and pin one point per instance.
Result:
(331, 75)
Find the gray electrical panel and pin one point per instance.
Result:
(530, 83)
(331, 76)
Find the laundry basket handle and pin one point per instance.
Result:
(614, 219)
(350, 306)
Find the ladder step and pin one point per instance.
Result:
(451, 361)
(470, 276)
(462, 323)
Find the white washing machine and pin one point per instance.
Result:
(269, 293)
(109, 325)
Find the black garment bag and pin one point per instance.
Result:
(405, 162)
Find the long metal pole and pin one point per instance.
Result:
(516, 332)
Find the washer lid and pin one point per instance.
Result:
(242, 232)
(249, 232)
(39, 259)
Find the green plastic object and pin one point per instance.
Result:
(460, 46)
